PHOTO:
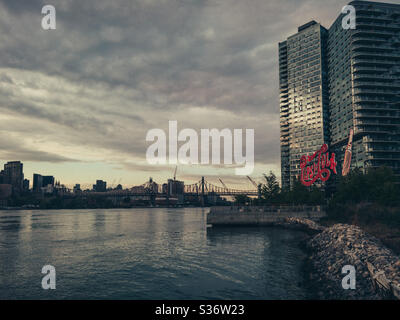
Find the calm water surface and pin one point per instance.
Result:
(145, 254)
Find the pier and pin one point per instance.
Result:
(261, 215)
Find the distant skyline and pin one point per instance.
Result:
(77, 102)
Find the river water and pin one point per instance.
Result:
(155, 253)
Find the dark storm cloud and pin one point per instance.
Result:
(68, 119)
(219, 53)
(15, 149)
(176, 51)
(112, 70)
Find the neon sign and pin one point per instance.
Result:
(347, 155)
(317, 166)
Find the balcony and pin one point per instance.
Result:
(357, 61)
(388, 157)
(363, 130)
(382, 151)
(375, 123)
(369, 68)
(370, 140)
(369, 24)
(374, 76)
(367, 19)
(360, 31)
(284, 123)
(360, 116)
(381, 107)
(370, 46)
(375, 92)
(375, 84)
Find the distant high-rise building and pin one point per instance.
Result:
(175, 187)
(40, 182)
(303, 97)
(77, 188)
(2, 177)
(5, 192)
(14, 175)
(100, 186)
(37, 182)
(341, 79)
(25, 185)
(48, 180)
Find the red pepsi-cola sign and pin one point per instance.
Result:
(317, 166)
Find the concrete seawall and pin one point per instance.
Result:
(259, 216)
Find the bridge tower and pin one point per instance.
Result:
(202, 192)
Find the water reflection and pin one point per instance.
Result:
(145, 254)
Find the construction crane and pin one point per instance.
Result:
(252, 182)
(223, 184)
(257, 186)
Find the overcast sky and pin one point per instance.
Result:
(77, 102)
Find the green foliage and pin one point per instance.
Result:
(242, 199)
(377, 185)
(366, 198)
(270, 190)
(301, 194)
(271, 193)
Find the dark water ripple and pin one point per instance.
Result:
(145, 254)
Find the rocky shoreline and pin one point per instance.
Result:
(301, 224)
(377, 268)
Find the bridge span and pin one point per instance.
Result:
(151, 188)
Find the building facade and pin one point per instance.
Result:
(48, 181)
(364, 86)
(100, 186)
(37, 182)
(14, 175)
(40, 182)
(303, 97)
(358, 88)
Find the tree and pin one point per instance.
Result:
(376, 185)
(366, 197)
(270, 190)
(242, 199)
(300, 194)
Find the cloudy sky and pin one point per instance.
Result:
(77, 102)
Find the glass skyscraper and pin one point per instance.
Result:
(359, 89)
(364, 85)
(303, 97)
